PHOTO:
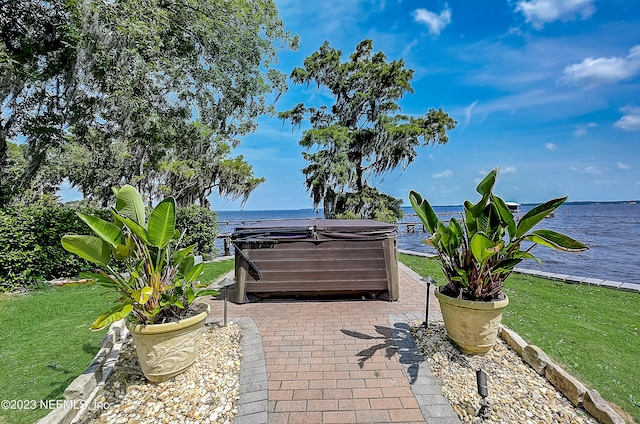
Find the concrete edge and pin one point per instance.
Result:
(254, 395)
(79, 394)
(253, 404)
(435, 408)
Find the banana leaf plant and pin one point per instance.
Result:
(158, 280)
(479, 252)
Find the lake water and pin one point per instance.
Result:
(611, 230)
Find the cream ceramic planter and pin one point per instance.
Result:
(471, 325)
(166, 350)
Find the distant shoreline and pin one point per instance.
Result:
(576, 203)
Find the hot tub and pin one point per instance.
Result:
(316, 256)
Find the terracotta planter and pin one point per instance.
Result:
(471, 325)
(166, 350)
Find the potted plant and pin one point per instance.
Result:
(477, 254)
(156, 281)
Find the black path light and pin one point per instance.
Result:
(427, 280)
(225, 284)
(483, 391)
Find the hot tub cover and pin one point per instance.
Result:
(315, 230)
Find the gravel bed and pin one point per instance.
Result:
(206, 393)
(517, 394)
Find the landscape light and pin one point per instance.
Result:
(426, 313)
(483, 391)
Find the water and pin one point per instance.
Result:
(611, 230)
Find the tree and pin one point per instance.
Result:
(41, 188)
(363, 134)
(38, 54)
(189, 168)
(144, 70)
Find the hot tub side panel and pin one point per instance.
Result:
(316, 267)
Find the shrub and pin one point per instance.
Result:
(201, 229)
(30, 250)
(31, 253)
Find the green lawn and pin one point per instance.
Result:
(593, 332)
(213, 270)
(45, 341)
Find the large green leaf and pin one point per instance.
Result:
(123, 251)
(506, 265)
(179, 255)
(91, 248)
(482, 247)
(193, 273)
(485, 186)
(556, 241)
(112, 315)
(424, 211)
(537, 214)
(505, 215)
(130, 204)
(135, 228)
(162, 223)
(103, 229)
(206, 292)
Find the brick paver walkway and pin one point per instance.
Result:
(338, 361)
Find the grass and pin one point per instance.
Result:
(592, 332)
(213, 270)
(45, 341)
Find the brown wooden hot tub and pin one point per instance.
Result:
(316, 256)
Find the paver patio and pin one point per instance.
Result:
(336, 361)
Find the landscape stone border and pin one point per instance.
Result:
(566, 384)
(82, 390)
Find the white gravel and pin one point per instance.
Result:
(206, 393)
(517, 393)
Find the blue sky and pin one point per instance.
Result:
(547, 90)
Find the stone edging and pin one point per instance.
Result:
(82, 390)
(568, 385)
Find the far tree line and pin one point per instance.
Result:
(157, 94)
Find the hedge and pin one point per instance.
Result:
(31, 253)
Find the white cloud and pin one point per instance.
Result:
(539, 12)
(630, 121)
(444, 174)
(604, 70)
(623, 166)
(591, 169)
(582, 129)
(436, 23)
(467, 114)
(550, 146)
(508, 170)
(594, 170)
